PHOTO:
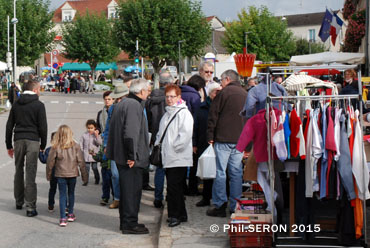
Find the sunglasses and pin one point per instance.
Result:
(208, 72)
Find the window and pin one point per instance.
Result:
(311, 35)
(67, 16)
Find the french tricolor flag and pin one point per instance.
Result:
(336, 26)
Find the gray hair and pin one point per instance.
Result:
(207, 62)
(138, 85)
(233, 75)
(165, 78)
(213, 86)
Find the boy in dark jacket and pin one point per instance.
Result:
(43, 156)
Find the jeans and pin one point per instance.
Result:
(53, 188)
(115, 180)
(106, 175)
(159, 183)
(94, 166)
(63, 184)
(230, 159)
(26, 153)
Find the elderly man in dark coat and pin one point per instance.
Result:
(128, 145)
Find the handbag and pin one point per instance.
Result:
(156, 155)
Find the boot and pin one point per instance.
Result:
(115, 204)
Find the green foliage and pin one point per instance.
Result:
(269, 37)
(33, 29)
(304, 47)
(159, 25)
(89, 39)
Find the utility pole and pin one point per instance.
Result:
(246, 41)
(180, 41)
(137, 56)
(14, 21)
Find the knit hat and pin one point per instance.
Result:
(119, 91)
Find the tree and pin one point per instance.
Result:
(268, 36)
(159, 25)
(33, 29)
(305, 47)
(89, 39)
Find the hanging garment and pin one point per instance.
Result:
(287, 133)
(317, 149)
(273, 125)
(324, 161)
(338, 113)
(330, 146)
(279, 141)
(308, 166)
(297, 143)
(359, 167)
(256, 130)
(344, 161)
(356, 203)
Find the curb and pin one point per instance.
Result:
(165, 232)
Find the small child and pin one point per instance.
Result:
(90, 143)
(43, 156)
(66, 156)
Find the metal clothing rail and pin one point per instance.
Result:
(269, 99)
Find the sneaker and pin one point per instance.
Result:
(63, 222)
(104, 202)
(71, 217)
(51, 209)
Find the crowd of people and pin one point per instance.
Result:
(184, 119)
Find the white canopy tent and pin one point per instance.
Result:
(3, 66)
(328, 58)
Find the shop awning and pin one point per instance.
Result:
(108, 66)
(86, 66)
(76, 67)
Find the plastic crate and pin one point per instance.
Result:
(250, 239)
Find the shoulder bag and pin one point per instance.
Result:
(156, 155)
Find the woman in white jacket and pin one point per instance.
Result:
(177, 153)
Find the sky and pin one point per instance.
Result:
(227, 10)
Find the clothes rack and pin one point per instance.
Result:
(269, 105)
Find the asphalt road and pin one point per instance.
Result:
(95, 226)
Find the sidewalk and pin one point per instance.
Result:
(196, 232)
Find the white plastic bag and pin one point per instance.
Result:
(7, 104)
(207, 164)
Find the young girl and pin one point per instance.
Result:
(66, 155)
(90, 143)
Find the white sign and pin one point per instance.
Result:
(55, 52)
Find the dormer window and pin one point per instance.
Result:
(67, 16)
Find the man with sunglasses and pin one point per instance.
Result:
(206, 70)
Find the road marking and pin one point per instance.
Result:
(99, 102)
(7, 163)
(84, 102)
(69, 102)
(54, 101)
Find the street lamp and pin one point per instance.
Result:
(14, 22)
(246, 40)
(180, 41)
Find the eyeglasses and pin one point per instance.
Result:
(170, 97)
(208, 72)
